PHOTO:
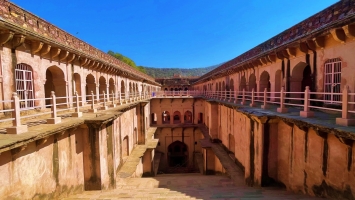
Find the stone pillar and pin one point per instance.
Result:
(148, 162)
(91, 153)
(97, 93)
(214, 121)
(141, 130)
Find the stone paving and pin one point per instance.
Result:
(186, 186)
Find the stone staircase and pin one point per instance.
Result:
(185, 186)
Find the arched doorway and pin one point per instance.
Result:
(102, 86)
(243, 83)
(166, 117)
(231, 83)
(123, 89)
(178, 154)
(188, 117)
(129, 90)
(111, 87)
(125, 147)
(55, 82)
(264, 83)
(223, 86)
(278, 84)
(177, 117)
(90, 86)
(77, 85)
(252, 82)
(301, 77)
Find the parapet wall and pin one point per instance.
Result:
(272, 150)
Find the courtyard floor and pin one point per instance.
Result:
(186, 186)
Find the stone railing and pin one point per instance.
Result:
(92, 103)
(307, 100)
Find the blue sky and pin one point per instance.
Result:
(174, 33)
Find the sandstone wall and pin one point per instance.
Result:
(85, 157)
(271, 151)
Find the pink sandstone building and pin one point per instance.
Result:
(73, 118)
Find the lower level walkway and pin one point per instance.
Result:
(185, 186)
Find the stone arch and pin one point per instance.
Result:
(223, 86)
(278, 84)
(125, 146)
(111, 87)
(231, 84)
(178, 155)
(252, 82)
(123, 90)
(264, 83)
(243, 83)
(90, 86)
(216, 86)
(177, 117)
(77, 85)
(55, 81)
(188, 117)
(102, 86)
(301, 77)
(166, 117)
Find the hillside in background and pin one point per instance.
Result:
(169, 72)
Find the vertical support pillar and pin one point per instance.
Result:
(306, 111)
(16, 128)
(282, 108)
(77, 110)
(344, 120)
(54, 119)
(93, 109)
(252, 104)
(265, 106)
(113, 105)
(91, 154)
(243, 98)
(104, 107)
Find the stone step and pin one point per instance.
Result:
(186, 186)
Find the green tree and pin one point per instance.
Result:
(127, 60)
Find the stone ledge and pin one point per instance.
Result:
(11, 141)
